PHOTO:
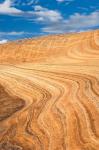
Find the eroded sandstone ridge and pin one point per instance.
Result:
(49, 93)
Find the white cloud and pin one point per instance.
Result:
(6, 8)
(12, 33)
(80, 21)
(46, 15)
(3, 41)
(16, 33)
(65, 1)
(75, 23)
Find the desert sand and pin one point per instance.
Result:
(49, 93)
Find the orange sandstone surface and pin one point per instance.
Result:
(49, 93)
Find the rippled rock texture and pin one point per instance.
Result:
(49, 93)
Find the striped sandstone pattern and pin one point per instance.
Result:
(49, 93)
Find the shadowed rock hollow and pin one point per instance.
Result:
(49, 93)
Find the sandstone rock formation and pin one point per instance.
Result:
(49, 93)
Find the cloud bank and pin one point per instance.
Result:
(51, 21)
(6, 8)
(3, 41)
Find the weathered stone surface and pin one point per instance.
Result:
(49, 93)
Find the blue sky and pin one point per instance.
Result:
(29, 18)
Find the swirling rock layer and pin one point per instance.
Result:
(49, 93)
